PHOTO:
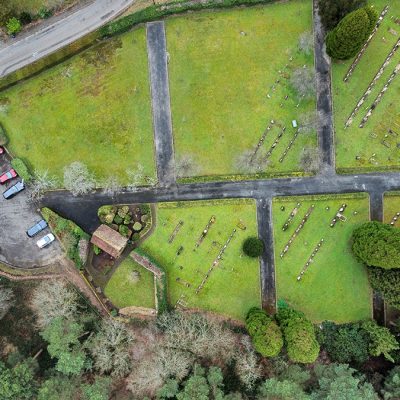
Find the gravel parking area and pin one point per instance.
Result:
(16, 216)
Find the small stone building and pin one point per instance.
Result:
(109, 240)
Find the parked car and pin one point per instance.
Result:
(13, 190)
(45, 240)
(8, 176)
(38, 227)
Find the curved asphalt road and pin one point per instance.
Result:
(58, 35)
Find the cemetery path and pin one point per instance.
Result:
(267, 265)
(160, 99)
(376, 214)
(25, 50)
(83, 209)
(324, 97)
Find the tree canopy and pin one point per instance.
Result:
(332, 11)
(346, 40)
(377, 244)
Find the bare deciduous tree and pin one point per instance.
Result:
(246, 163)
(185, 166)
(306, 42)
(151, 373)
(52, 299)
(308, 122)
(78, 179)
(303, 82)
(135, 178)
(197, 335)
(111, 186)
(309, 160)
(42, 182)
(247, 365)
(7, 300)
(110, 348)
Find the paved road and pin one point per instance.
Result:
(16, 216)
(267, 264)
(376, 214)
(324, 96)
(83, 209)
(162, 121)
(58, 35)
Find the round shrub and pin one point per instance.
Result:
(118, 220)
(253, 247)
(346, 40)
(302, 345)
(377, 244)
(265, 333)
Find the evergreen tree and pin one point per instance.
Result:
(387, 283)
(346, 40)
(332, 11)
(377, 244)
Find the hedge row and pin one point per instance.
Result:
(158, 11)
(21, 169)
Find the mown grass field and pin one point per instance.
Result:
(33, 6)
(234, 285)
(391, 207)
(125, 292)
(94, 108)
(366, 142)
(222, 67)
(335, 286)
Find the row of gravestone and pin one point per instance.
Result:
(372, 83)
(380, 95)
(216, 261)
(292, 214)
(395, 219)
(339, 215)
(297, 230)
(310, 259)
(361, 52)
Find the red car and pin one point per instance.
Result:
(8, 176)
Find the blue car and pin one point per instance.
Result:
(35, 229)
(13, 190)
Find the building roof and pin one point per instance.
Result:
(109, 240)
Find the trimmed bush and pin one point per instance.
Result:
(68, 233)
(377, 244)
(265, 333)
(299, 334)
(346, 40)
(13, 26)
(253, 247)
(3, 136)
(21, 169)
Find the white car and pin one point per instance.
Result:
(45, 240)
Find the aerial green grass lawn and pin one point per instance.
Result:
(391, 207)
(367, 143)
(33, 6)
(335, 286)
(94, 108)
(124, 291)
(234, 285)
(222, 68)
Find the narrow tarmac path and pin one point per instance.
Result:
(63, 32)
(160, 99)
(324, 96)
(376, 214)
(267, 264)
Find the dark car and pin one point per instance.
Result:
(35, 229)
(13, 190)
(8, 176)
